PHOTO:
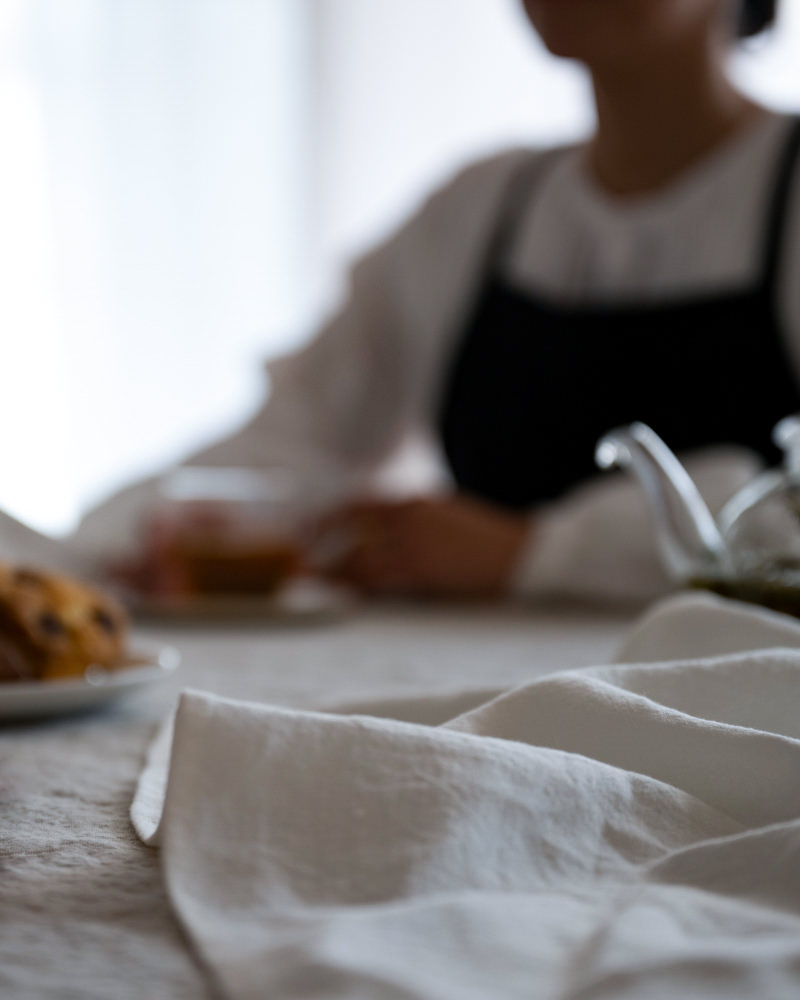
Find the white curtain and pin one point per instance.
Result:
(408, 92)
(184, 181)
(152, 189)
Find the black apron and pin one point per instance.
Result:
(533, 384)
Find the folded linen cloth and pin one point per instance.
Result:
(686, 626)
(630, 830)
(700, 624)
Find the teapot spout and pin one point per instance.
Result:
(688, 538)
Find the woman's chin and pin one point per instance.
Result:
(566, 36)
(565, 45)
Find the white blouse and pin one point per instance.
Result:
(340, 408)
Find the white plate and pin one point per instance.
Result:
(298, 602)
(38, 699)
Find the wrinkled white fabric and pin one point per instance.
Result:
(629, 830)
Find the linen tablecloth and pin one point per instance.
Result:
(83, 911)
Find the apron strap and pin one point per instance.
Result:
(777, 217)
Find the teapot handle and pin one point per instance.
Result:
(786, 435)
(690, 542)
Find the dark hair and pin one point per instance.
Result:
(756, 16)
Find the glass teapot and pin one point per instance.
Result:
(752, 550)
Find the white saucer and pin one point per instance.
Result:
(39, 699)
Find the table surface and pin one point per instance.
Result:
(83, 912)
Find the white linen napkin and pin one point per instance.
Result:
(630, 830)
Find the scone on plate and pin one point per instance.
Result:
(54, 627)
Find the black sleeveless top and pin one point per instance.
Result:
(533, 385)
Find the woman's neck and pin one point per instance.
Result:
(654, 123)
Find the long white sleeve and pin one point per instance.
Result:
(598, 543)
(373, 373)
(339, 408)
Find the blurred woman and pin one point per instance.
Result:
(542, 297)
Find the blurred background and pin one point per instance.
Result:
(183, 183)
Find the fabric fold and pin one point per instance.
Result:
(621, 830)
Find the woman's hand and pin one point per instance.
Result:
(451, 546)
